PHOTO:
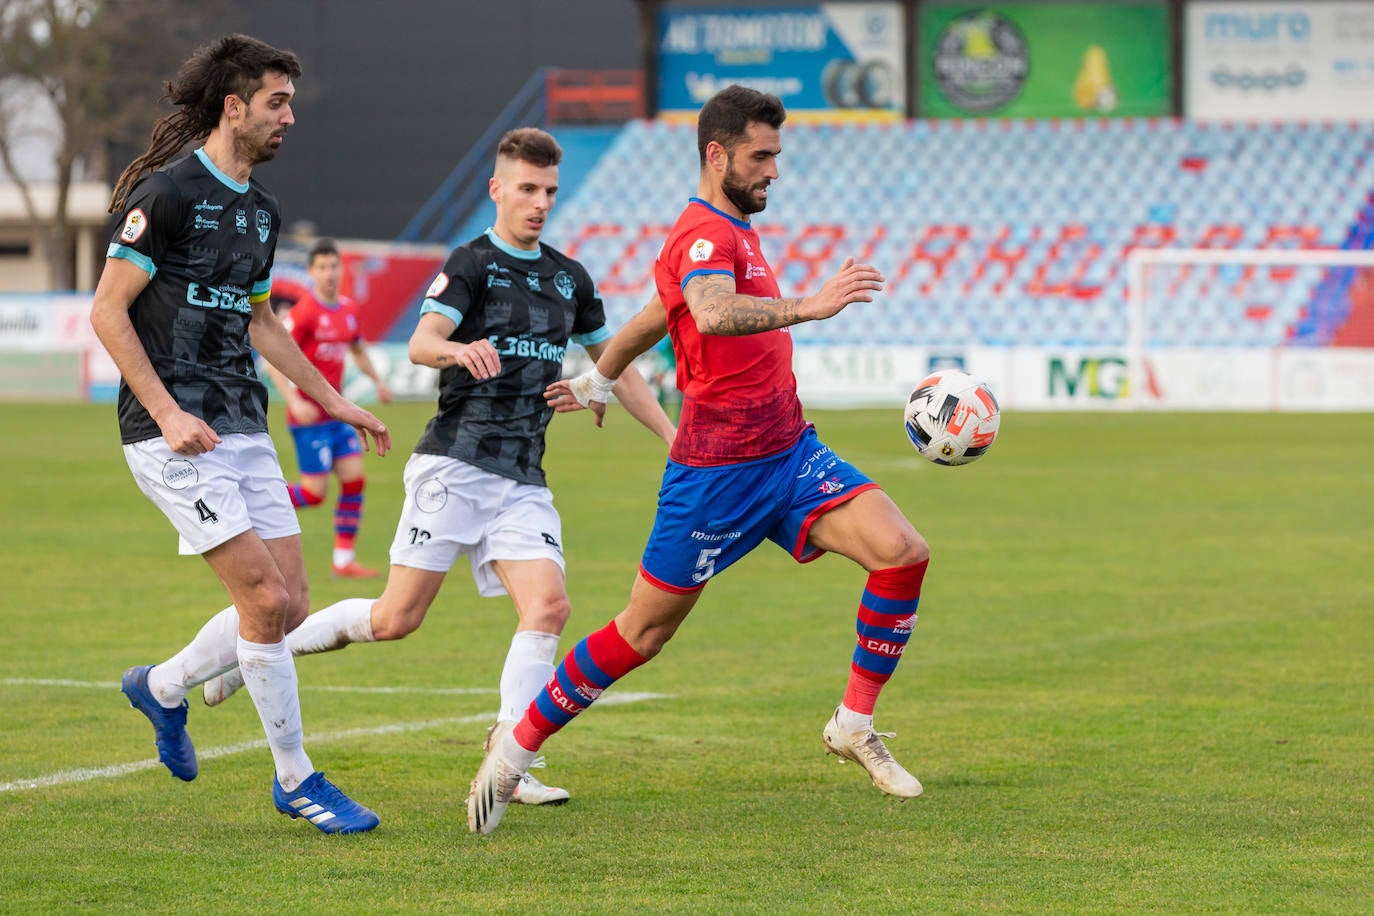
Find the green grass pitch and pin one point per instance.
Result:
(1142, 680)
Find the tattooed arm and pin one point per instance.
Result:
(719, 309)
(430, 346)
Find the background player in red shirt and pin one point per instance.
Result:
(327, 326)
(745, 465)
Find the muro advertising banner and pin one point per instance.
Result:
(1044, 60)
(836, 58)
(1275, 61)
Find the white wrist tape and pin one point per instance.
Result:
(591, 386)
(600, 386)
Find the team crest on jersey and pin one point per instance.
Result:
(264, 225)
(135, 224)
(438, 286)
(701, 250)
(563, 282)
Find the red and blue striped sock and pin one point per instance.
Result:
(887, 615)
(301, 498)
(348, 513)
(593, 665)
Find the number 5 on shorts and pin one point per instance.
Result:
(706, 564)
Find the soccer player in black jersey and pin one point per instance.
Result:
(181, 303)
(496, 321)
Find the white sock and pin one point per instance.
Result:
(269, 673)
(333, 628)
(213, 651)
(529, 665)
(853, 722)
(342, 556)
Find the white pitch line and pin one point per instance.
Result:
(326, 688)
(124, 769)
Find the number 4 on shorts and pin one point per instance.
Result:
(206, 513)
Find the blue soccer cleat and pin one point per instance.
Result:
(321, 803)
(174, 746)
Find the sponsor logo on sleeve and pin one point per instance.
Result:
(135, 224)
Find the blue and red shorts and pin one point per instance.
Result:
(319, 445)
(710, 517)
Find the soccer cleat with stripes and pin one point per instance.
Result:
(530, 791)
(502, 766)
(174, 747)
(220, 688)
(866, 748)
(322, 803)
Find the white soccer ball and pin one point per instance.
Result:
(952, 417)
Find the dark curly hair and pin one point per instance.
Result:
(726, 116)
(232, 65)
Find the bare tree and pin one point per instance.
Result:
(97, 66)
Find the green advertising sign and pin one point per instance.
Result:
(1044, 60)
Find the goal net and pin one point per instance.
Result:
(1206, 328)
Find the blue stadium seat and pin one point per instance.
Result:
(1069, 196)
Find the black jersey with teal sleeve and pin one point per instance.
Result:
(207, 244)
(529, 304)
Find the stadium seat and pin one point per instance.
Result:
(1013, 232)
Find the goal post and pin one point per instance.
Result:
(1204, 299)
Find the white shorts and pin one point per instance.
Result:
(236, 487)
(453, 508)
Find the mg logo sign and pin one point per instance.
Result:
(1102, 378)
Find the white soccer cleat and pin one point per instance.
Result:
(868, 751)
(502, 767)
(218, 689)
(530, 791)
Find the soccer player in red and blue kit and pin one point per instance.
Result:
(327, 327)
(745, 465)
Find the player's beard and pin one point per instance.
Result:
(256, 149)
(741, 194)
